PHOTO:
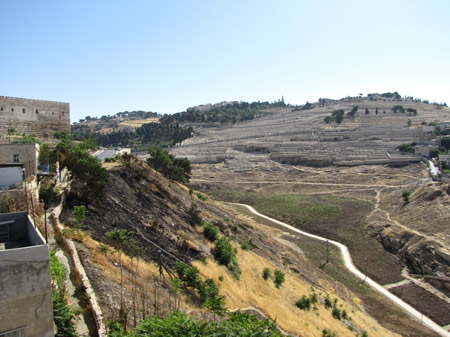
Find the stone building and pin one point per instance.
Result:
(25, 154)
(25, 286)
(37, 118)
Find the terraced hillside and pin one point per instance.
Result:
(303, 137)
(294, 154)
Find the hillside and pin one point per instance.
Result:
(160, 214)
(302, 137)
(294, 159)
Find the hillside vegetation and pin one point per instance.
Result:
(166, 227)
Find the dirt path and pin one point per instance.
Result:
(351, 267)
(387, 216)
(246, 182)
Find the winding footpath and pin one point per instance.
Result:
(351, 267)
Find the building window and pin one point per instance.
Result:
(23, 110)
(37, 111)
(16, 158)
(45, 135)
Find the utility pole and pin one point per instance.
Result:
(328, 251)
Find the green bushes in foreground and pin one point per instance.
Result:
(180, 324)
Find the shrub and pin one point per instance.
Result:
(328, 333)
(90, 178)
(304, 303)
(328, 303)
(406, 194)
(79, 214)
(336, 313)
(223, 251)
(210, 231)
(398, 108)
(279, 278)
(364, 334)
(48, 195)
(248, 245)
(178, 169)
(409, 147)
(202, 197)
(195, 216)
(266, 273)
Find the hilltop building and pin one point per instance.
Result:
(25, 283)
(37, 118)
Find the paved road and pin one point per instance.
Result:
(351, 267)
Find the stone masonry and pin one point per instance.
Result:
(40, 119)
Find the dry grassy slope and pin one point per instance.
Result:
(418, 231)
(141, 200)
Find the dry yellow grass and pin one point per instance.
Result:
(279, 304)
(137, 122)
(252, 291)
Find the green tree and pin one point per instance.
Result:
(353, 111)
(79, 214)
(89, 178)
(210, 231)
(279, 278)
(178, 169)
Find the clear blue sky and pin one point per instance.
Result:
(109, 56)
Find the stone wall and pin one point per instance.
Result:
(27, 155)
(37, 118)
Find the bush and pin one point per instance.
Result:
(398, 108)
(406, 194)
(90, 178)
(304, 303)
(279, 278)
(202, 197)
(328, 333)
(248, 245)
(48, 195)
(180, 324)
(409, 147)
(64, 315)
(210, 231)
(336, 313)
(223, 251)
(266, 273)
(225, 255)
(178, 169)
(328, 303)
(195, 216)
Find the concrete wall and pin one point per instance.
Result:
(28, 155)
(25, 286)
(10, 176)
(37, 118)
